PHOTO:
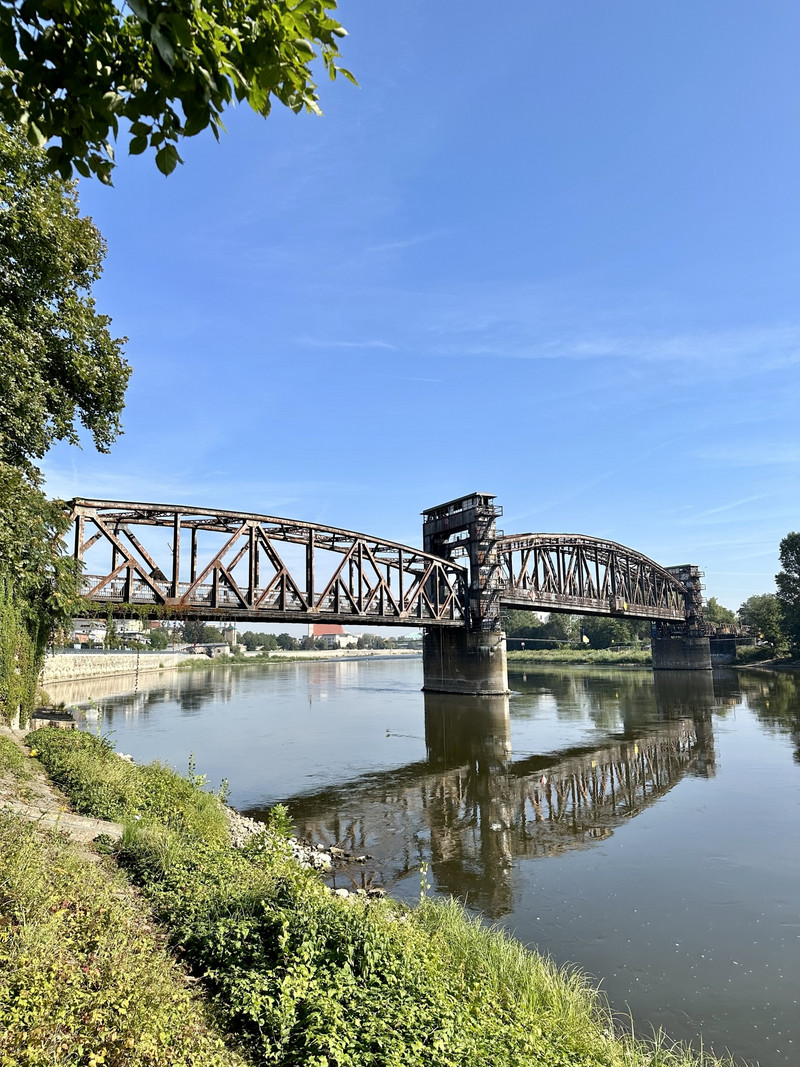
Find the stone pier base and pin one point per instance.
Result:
(456, 661)
(681, 653)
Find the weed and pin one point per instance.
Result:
(279, 822)
(81, 979)
(597, 656)
(12, 761)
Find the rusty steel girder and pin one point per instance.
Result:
(336, 575)
(586, 576)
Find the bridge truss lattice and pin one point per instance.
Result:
(590, 576)
(217, 564)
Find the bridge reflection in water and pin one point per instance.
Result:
(472, 810)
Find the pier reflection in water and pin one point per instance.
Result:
(473, 808)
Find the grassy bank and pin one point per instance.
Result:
(304, 977)
(85, 978)
(598, 657)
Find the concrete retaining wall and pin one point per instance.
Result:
(67, 666)
(61, 668)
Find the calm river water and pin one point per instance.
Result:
(645, 827)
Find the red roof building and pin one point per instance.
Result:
(332, 634)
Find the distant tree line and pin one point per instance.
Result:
(599, 632)
(775, 617)
(202, 633)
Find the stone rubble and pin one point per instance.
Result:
(316, 857)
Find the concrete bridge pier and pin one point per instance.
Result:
(681, 652)
(463, 661)
(685, 648)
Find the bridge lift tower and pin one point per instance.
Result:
(471, 660)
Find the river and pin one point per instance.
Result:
(644, 827)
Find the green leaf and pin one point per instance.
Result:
(163, 46)
(137, 146)
(35, 135)
(139, 8)
(167, 159)
(160, 63)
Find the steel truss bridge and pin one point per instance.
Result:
(223, 564)
(589, 576)
(205, 563)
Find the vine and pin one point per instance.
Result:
(22, 645)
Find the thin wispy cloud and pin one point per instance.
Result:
(217, 490)
(773, 347)
(754, 454)
(323, 342)
(713, 514)
(401, 243)
(407, 378)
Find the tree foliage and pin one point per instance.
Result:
(253, 641)
(38, 586)
(73, 71)
(197, 632)
(159, 639)
(59, 369)
(518, 623)
(762, 615)
(717, 615)
(603, 632)
(788, 583)
(59, 365)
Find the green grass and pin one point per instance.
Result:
(101, 784)
(12, 761)
(304, 978)
(82, 979)
(595, 656)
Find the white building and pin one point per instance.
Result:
(332, 635)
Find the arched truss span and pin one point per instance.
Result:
(585, 575)
(213, 564)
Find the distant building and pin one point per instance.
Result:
(94, 631)
(332, 635)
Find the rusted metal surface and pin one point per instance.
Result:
(586, 576)
(467, 528)
(206, 563)
(217, 564)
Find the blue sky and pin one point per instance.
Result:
(549, 250)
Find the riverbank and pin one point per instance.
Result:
(72, 666)
(595, 657)
(290, 972)
(600, 657)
